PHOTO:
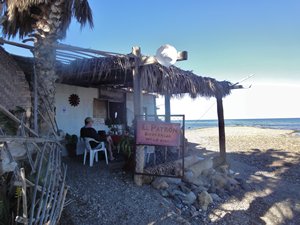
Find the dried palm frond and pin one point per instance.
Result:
(154, 78)
(117, 71)
(21, 17)
(82, 12)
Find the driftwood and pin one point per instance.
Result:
(15, 119)
(22, 172)
(48, 191)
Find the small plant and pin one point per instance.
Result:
(126, 145)
(112, 125)
(71, 144)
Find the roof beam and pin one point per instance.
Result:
(64, 47)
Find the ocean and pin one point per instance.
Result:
(280, 123)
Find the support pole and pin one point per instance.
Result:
(36, 101)
(167, 108)
(137, 102)
(221, 129)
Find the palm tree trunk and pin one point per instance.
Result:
(46, 76)
(48, 32)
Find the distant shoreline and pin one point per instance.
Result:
(237, 126)
(283, 124)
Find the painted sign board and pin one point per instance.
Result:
(158, 133)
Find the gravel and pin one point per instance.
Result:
(100, 196)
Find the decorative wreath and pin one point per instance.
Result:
(74, 100)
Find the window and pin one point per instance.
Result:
(117, 112)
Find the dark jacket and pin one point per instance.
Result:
(91, 133)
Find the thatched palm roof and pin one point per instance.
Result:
(116, 71)
(12, 78)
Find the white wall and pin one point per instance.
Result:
(148, 101)
(69, 118)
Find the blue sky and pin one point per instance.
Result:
(225, 39)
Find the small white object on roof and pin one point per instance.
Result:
(166, 55)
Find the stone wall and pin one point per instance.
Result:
(14, 89)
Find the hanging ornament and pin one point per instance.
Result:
(74, 100)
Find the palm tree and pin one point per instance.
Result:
(44, 22)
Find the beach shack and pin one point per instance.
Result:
(106, 87)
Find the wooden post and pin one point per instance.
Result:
(24, 197)
(137, 102)
(167, 108)
(221, 129)
(36, 101)
(137, 91)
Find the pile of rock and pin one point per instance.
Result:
(201, 186)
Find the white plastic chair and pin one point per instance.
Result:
(94, 151)
(150, 150)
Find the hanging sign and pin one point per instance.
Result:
(158, 133)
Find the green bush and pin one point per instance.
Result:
(71, 144)
(126, 145)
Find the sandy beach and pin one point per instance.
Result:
(239, 139)
(269, 162)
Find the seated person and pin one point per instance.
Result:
(89, 131)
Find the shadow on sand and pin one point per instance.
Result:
(273, 176)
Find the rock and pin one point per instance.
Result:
(231, 172)
(198, 181)
(232, 184)
(243, 184)
(183, 221)
(184, 189)
(178, 211)
(212, 188)
(189, 198)
(191, 179)
(221, 192)
(171, 190)
(173, 180)
(194, 212)
(204, 200)
(219, 180)
(199, 190)
(177, 193)
(215, 197)
(208, 172)
(164, 193)
(188, 176)
(147, 179)
(224, 169)
(193, 208)
(6, 165)
(200, 166)
(159, 183)
(190, 160)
